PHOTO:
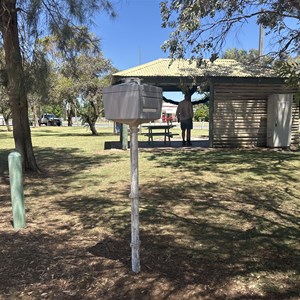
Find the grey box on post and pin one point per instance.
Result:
(132, 103)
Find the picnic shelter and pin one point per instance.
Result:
(249, 104)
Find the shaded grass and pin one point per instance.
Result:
(215, 224)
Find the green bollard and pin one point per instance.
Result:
(16, 189)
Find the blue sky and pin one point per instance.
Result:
(135, 36)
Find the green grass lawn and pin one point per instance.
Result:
(215, 223)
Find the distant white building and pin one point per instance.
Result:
(2, 121)
(168, 110)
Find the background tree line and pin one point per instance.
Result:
(60, 84)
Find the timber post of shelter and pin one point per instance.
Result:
(134, 195)
(124, 136)
(16, 189)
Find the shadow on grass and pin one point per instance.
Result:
(50, 133)
(199, 240)
(60, 165)
(210, 239)
(265, 163)
(246, 243)
(4, 161)
(200, 273)
(214, 238)
(49, 266)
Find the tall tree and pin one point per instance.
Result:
(290, 69)
(246, 56)
(38, 82)
(4, 101)
(82, 82)
(200, 28)
(39, 17)
(16, 83)
(82, 73)
(4, 106)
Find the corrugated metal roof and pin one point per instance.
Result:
(164, 67)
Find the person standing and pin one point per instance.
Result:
(185, 116)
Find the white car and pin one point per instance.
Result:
(49, 120)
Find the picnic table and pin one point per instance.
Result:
(159, 130)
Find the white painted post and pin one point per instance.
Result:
(134, 195)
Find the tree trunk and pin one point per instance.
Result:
(6, 120)
(92, 126)
(16, 85)
(93, 118)
(70, 112)
(70, 116)
(35, 114)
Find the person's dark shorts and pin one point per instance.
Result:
(186, 124)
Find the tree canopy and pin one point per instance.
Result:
(247, 57)
(80, 73)
(200, 28)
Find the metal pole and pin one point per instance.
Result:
(134, 195)
(261, 41)
(16, 189)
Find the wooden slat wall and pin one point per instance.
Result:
(239, 114)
